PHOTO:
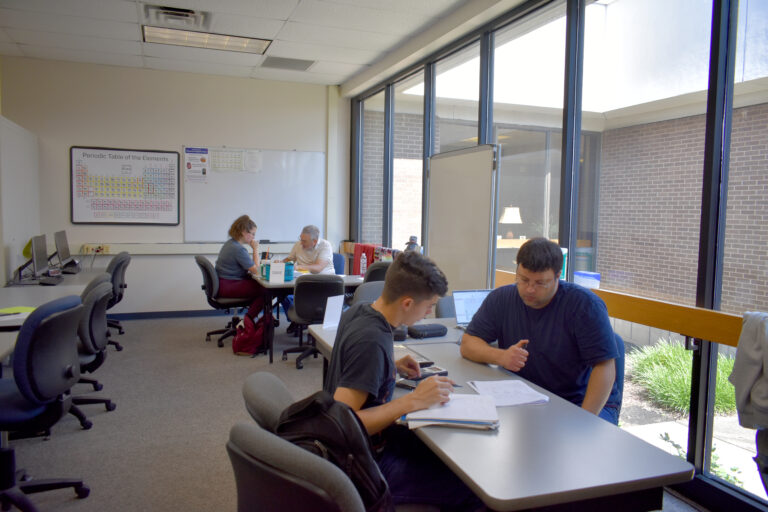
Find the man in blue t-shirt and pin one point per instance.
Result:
(553, 333)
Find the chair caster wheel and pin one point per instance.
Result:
(220, 343)
(285, 357)
(82, 491)
(207, 338)
(299, 365)
(98, 387)
(110, 406)
(86, 425)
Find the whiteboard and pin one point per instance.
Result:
(124, 186)
(282, 191)
(463, 197)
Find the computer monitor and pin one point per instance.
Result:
(39, 255)
(62, 247)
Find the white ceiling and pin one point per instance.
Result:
(343, 37)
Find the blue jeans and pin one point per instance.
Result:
(416, 475)
(610, 414)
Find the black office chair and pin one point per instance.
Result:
(116, 269)
(309, 298)
(376, 271)
(276, 475)
(211, 288)
(445, 307)
(338, 263)
(368, 292)
(94, 335)
(45, 367)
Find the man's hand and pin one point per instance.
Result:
(515, 357)
(431, 391)
(408, 366)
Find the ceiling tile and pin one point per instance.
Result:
(11, 49)
(169, 52)
(208, 68)
(245, 26)
(111, 59)
(74, 42)
(275, 9)
(309, 33)
(118, 10)
(355, 17)
(31, 20)
(426, 8)
(320, 52)
(335, 68)
(296, 76)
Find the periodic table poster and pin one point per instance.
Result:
(124, 186)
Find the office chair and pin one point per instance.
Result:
(309, 298)
(445, 307)
(376, 271)
(368, 292)
(94, 335)
(45, 367)
(211, 287)
(266, 397)
(338, 263)
(274, 474)
(116, 269)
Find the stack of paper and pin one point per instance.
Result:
(470, 411)
(508, 392)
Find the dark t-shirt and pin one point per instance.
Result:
(233, 261)
(363, 355)
(566, 338)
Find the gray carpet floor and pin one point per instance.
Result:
(163, 448)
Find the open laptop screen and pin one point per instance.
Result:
(466, 303)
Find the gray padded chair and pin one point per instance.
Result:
(276, 475)
(266, 397)
(116, 269)
(368, 292)
(445, 307)
(376, 271)
(211, 288)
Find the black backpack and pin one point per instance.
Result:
(332, 430)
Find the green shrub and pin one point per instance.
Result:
(664, 371)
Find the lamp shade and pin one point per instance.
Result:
(511, 215)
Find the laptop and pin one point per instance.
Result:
(466, 303)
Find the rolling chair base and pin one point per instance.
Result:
(305, 351)
(229, 330)
(108, 404)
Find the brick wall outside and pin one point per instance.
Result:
(650, 206)
(372, 176)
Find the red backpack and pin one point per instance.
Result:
(250, 338)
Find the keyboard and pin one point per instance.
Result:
(50, 280)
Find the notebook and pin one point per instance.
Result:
(466, 303)
(462, 410)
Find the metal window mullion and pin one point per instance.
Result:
(712, 231)
(485, 96)
(389, 109)
(429, 145)
(574, 58)
(356, 172)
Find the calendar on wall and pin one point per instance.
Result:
(124, 186)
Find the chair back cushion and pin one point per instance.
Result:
(96, 281)
(338, 263)
(376, 271)
(273, 474)
(445, 307)
(265, 398)
(368, 292)
(312, 292)
(210, 279)
(116, 269)
(45, 360)
(92, 329)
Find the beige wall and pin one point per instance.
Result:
(68, 104)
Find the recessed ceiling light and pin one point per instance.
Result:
(205, 40)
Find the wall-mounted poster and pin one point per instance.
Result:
(124, 186)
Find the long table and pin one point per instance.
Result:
(548, 455)
(283, 288)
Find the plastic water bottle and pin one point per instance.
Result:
(363, 264)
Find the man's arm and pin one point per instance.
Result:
(315, 267)
(429, 392)
(599, 386)
(476, 349)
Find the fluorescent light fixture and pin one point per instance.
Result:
(205, 40)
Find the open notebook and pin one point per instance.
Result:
(462, 410)
(466, 303)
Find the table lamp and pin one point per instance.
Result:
(511, 215)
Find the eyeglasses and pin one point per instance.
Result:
(537, 285)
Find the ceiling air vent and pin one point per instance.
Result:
(290, 64)
(173, 17)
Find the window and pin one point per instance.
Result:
(457, 87)
(372, 200)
